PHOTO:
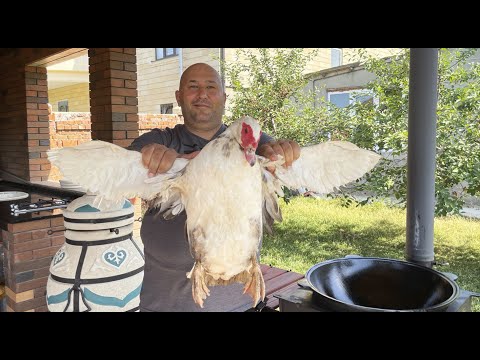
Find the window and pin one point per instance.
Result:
(166, 109)
(162, 53)
(344, 98)
(336, 57)
(63, 106)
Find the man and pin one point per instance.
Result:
(167, 256)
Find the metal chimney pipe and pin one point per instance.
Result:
(421, 155)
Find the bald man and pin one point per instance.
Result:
(202, 98)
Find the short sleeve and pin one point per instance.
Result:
(264, 138)
(156, 136)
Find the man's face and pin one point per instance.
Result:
(201, 98)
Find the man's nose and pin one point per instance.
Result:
(202, 92)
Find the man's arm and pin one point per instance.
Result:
(157, 157)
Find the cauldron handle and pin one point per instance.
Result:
(454, 277)
(472, 293)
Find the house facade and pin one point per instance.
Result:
(159, 71)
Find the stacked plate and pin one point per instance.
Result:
(68, 185)
(12, 195)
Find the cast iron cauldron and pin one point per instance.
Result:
(381, 285)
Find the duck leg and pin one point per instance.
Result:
(255, 285)
(200, 289)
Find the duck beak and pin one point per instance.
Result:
(250, 155)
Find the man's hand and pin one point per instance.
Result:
(159, 159)
(290, 151)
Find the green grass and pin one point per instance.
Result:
(315, 230)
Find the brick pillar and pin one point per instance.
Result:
(38, 132)
(28, 253)
(113, 94)
(114, 100)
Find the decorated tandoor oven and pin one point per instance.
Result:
(100, 266)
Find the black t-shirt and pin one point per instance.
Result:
(167, 254)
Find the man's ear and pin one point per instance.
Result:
(177, 97)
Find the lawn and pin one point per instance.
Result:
(315, 230)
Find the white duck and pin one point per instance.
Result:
(226, 190)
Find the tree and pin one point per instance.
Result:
(271, 86)
(384, 127)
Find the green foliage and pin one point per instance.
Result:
(384, 127)
(271, 89)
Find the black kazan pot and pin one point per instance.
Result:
(379, 285)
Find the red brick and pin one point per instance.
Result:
(131, 101)
(123, 57)
(24, 256)
(131, 51)
(119, 135)
(131, 84)
(39, 292)
(119, 100)
(42, 253)
(119, 74)
(58, 240)
(122, 92)
(30, 245)
(130, 67)
(32, 284)
(128, 109)
(132, 117)
(58, 221)
(116, 65)
(37, 112)
(39, 234)
(31, 265)
(37, 87)
(39, 273)
(29, 225)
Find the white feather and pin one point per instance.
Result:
(111, 172)
(324, 167)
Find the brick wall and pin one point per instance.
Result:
(147, 122)
(68, 129)
(113, 94)
(23, 111)
(29, 251)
